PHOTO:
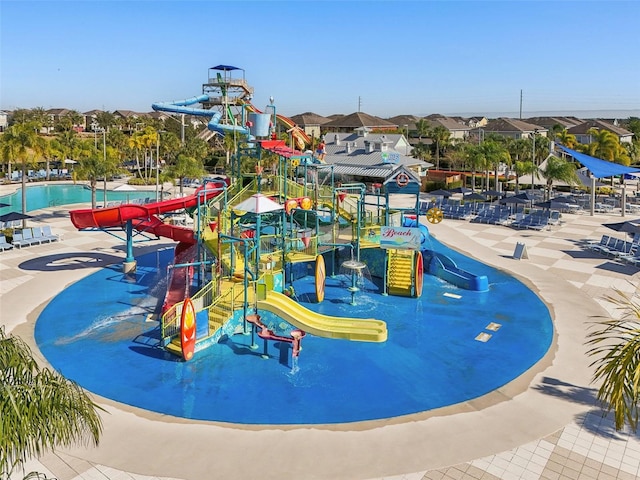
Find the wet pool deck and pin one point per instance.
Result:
(545, 424)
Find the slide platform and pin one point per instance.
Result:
(363, 330)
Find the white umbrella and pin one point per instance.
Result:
(125, 187)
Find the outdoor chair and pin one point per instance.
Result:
(18, 241)
(4, 245)
(39, 236)
(47, 233)
(27, 236)
(595, 245)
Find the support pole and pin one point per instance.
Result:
(129, 265)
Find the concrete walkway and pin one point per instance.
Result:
(545, 424)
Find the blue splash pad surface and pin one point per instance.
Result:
(96, 332)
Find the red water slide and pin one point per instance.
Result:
(144, 216)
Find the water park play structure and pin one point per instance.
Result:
(256, 236)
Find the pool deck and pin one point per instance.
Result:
(545, 424)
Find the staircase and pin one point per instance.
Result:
(400, 273)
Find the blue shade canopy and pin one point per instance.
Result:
(225, 68)
(599, 168)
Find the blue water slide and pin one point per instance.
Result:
(443, 267)
(182, 106)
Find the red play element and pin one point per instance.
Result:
(295, 340)
(248, 234)
(145, 214)
(188, 330)
(179, 279)
(305, 241)
(279, 147)
(419, 273)
(342, 196)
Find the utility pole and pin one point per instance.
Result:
(520, 104)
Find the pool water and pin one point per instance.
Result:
(431, 359)
(43, 196)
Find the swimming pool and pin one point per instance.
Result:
(431, 359)
(43, 196)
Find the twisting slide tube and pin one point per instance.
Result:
(182, 106)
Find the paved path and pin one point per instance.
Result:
(543, 425)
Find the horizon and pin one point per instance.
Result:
(475, 57)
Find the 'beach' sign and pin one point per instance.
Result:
(400, 237)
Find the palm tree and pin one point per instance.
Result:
(558, 169)
(476, 159)
(24, 144)
(615, 346)
(422, 128)
(185, 167)
(518, 150)
(604, 144)
(441, 137)
(39, 409)
(567, 139)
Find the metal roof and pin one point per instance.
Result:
(377, 172)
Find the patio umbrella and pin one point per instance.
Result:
(629, 226)
(14, 216)
(461, 190)
(474, 197)
(526, 196)
(514, 199)
(546, 204)
(441, 193)
(492, 193)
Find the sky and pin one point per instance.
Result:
(384, 58)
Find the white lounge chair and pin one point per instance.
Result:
(18, 241)
(46, 231)
(27, 236)
(38, 235)
(4, 245)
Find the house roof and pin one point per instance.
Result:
(402, 120)
(58, 111)
(358, 157)
(584, 127)
(359, 119)
(128, 113)
(549, 122)
(448, 123)
(309, 118)
(511, 125)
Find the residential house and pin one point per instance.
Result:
(550, 123)
(511, 128)
(405, 123)
(55, 115)
(128, 119)
(4, 120)
(90, 122)
(458, 131)
(310, 122)
(582, 134)
(348, 123)
(370, 158)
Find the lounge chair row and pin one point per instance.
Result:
(538, 220)
(617, 248)
(34, 236)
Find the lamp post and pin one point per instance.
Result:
(157, 162)
(104, 165)
(533, 158)
(406, 150)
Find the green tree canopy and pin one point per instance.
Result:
(39, 409)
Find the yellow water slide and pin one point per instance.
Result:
(363, 330)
